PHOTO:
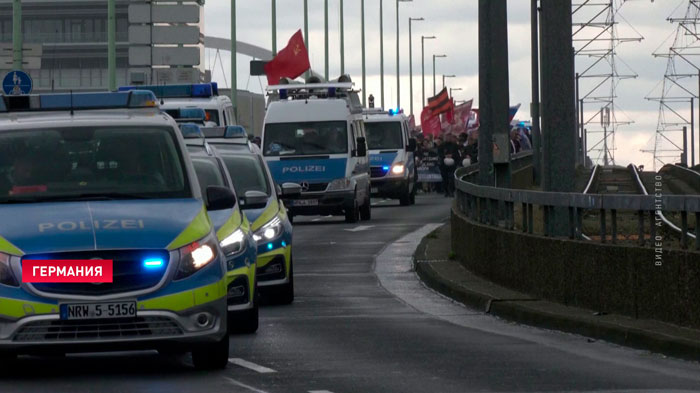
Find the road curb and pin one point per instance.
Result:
(534, 312)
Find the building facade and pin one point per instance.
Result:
(65, 42)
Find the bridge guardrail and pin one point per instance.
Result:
(495, 206)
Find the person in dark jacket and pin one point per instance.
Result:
(450, 160)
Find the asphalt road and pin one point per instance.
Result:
(362, 322)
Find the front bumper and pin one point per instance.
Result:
(389, 187)
(328, 203)
(274, 266)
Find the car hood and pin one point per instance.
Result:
(96, 225)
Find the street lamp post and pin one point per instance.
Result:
(422, 49)
(410, 59)
(274, 27)
(234, 76)
(325, 10)
(398, 51)
(364, 64)
(342, 39)
(454, 89)
(381, 52)
(111, 45)
(446, 76)
(306, 31)
(434, 80)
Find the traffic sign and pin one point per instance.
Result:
(17, 82)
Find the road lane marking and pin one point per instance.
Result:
(251, 366)
(360, 228)
(241, 384)
(320, 391)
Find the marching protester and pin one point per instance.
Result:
(450, 160)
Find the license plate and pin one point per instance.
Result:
(306, 202)
(98, 310)
(375, 190)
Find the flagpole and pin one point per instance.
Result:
(306, 30)
(325, 10)
(342, 39)
(234, 55)
(381, 52)
(274, 27)
(364, 69)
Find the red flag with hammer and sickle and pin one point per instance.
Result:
(290, 62)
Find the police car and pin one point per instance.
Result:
(241, 256)
(391, 148)
(106, 176)
(264, 207)
(314, 135)
(218, 109)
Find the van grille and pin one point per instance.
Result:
(57, 331)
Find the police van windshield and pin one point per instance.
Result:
(91, 163)
(247, 173)
(302, 139)
(384, 135)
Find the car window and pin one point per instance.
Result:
(62, 163)
(384, 135)
(208, 173)
(307, 138)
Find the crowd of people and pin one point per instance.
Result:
(451, 152)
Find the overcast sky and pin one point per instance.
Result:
(454, 22)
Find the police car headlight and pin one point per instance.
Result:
(269, 231)
(6, 276)
(340, 184)
(398, 169)
(195, 256)
(234, 244)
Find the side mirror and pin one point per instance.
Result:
(361, 147)
(291, 190)
(255, 200)
(278, 190)
(411, 145)
(220, 198)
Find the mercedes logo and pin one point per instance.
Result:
(305, 186)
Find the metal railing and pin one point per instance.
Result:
(496, 207)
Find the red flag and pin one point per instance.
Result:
(463, 112)
(290, 62)
(450, 114)
(430, 123)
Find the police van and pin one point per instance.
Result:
(263, 206)
(314, 135)
(391, 155)
(106, 176)
(218, 109)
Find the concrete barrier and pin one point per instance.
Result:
(604, 278)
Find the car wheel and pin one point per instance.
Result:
(212, 356)
(405, 199)
(413, 194)
(286, 292)
(246, 322)
(352, 215)
(366, 209)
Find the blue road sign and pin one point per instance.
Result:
(17, 82)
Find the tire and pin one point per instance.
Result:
(212, 356)
(413, 194)
(286, 292)
(246, 322)
(405, 199)
(290, 217)
(352, 215)
(366, 210)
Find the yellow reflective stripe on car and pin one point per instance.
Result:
(15, 308)
(229, 226)
(9, 248)
(265, 258)
(266, 216)
(198, 228)
(187, 299)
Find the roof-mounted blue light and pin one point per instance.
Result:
(78, 101)
(235, 132)
(191, 131)
(199, 90)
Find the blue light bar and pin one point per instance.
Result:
(191, 131)
(199, 90)
(235, 132)
(153, 263)
(79, 101)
